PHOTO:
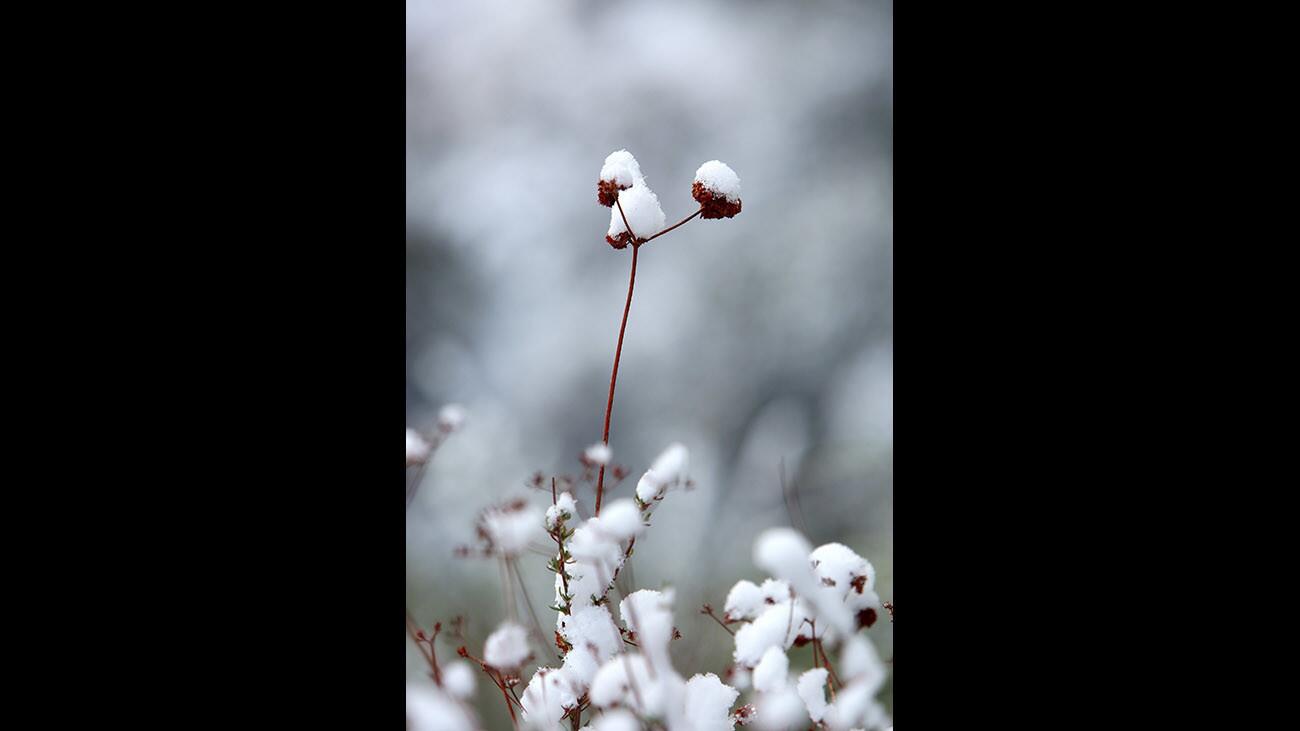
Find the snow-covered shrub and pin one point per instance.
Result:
(612, 666)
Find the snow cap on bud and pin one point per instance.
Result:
(621, 519)
(565, 507)
(717, 188)
(432, 709)
(669, 470)
(619, 172)
(743, 601)
(547, 698)
(451, 417)
(507, 647)
(458, 679)
(811, 690)
(641, 207)
(597, 454)
(417, 449)
(507, 529)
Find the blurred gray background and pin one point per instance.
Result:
(755, 340)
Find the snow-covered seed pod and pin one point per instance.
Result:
(717, 188)
(619, 172)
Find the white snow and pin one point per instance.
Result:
(451, 417)
(671, 465)
(507, 647)
(772, 672)
(458, 679)
(649, 487)
(546, 698)
(780, 711)
(649, 614)
(775, 591)
(511, 528)
(777, 626)
(417, 449)
(708, 703)
(564, 504)
(622, 519)
(616, 719)
(626, 680)
(867, 599)
(839, 564)
(811, 689)
(430, 709)
(597, 555)
(785, 553)
(580, 666)
(592, 633)
(740, 677)
(641, 206)
(617, 173)
(743, 601)
(621, 169)
(598, 454)
(859, 662)
(720, 179)
(854, 707)
(668, 470)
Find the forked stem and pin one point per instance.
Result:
(670, 228)
(622, 328)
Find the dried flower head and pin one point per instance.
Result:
(451, 417)
(717, 188)
(417, 448)
(597, 454)
(507, 647)
(644, 215)
(619, 172)
(505, 530)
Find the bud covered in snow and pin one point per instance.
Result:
(644, 215)
(619, 172)
(717, 188)
(451, 417)
(417, 448)
(507, 647)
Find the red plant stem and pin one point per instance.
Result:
(720, 624)
(618, 351)
(613, 378)
(497, 679)
(433, 659)
(501, 684)
(826, 660)
(670, 228)
(630, 235)
(432, 655)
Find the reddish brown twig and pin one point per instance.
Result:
(418, 636)
(622, 328)
(497, 679)
(826, 660)
(613, 378)
(670, 228)
(708, 609)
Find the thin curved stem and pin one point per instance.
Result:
(670, 228)
(627, 227)
(622, 328)
(613, 378)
